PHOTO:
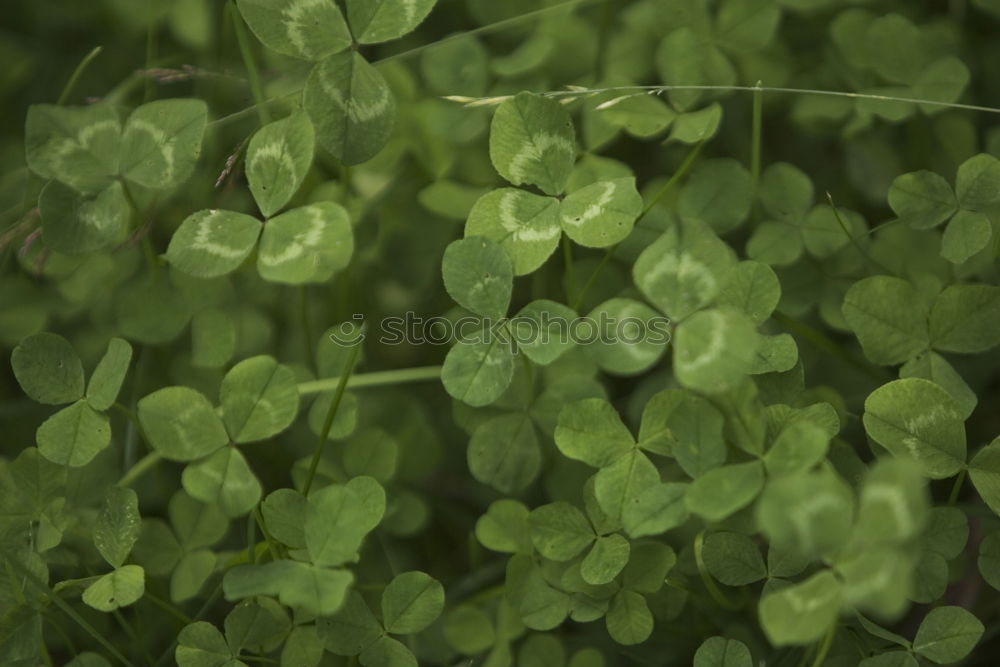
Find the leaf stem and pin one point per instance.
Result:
(140, 468)
(956, 488)
(331, 413)
(374, 379)
(263, 113)
(305, 324)
(75, 77)
(167, 607)
(756, 134)
(568, 267)
(821, 341)
(824, 647)
(68, 610)
(706, 578)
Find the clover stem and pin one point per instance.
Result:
(706, 578)
(304, 322)
(68, 610)
(568, 267)
(167, 607)
(140, 468)
(374, 379)
(824, 647)
(272, 546)
(75, 77)
(263, 113)
(956, 488)
(756, 134)
(823, 342)
(331, 413)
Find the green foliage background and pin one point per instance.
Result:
(193, 470)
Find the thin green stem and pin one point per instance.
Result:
(152, 46)
(956, 488)
(331, 413)
(824, 647)
(713, 590)
(576, 92)
(306, 326)
(141, 467)
(263, 113)
(132, 635)
(272, 546)
(75, 77)
(375, 379)
(821, 341)
(251, 539)
(672, 181)
(125, 411)
(167, 607)
(857, 244)
(65, 607)
(756, 135)
(197, 617)
(147, 243)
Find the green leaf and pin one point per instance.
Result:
(932, 366)
(966, 319)
(469, 630)
(196, 524)
(989, 559)
(525, 224)
(890, 659)
(78, 146)
(807, 515)
(116, 589)
(621, 484)
(213, 243)
(889, 318)
(107, 378)
(374, 21)
(504, 527)
(459, 66)
(118, 523)
(373, 453)
(191, 573)
(161, 142)
(478, 373)
(686, 58)
(260, 398)
(180, 424)
(314, 590)
(74, 435)
(601, 214)
(893, 503)
(306, 245)
(714, 350)
(560, 531)
(695, 127)
(200, 644)
(387, 652)
(629, 336)
(223, 479)
(655, 510)
(606, 559)
(947, 634)
(722, 491)
(591, 431)
(922, 199)
(542, 331)
(733, 558)
(917, 419)
(722, 652)
(629, 620)
(532, 142)
(351, 107)
(984, 471)
(479, 276)
(648, 566)
(798, 447)
(641, 115)
(307, 29)
(752, 288)
(76, 224)
(504, 452)
(683, 270)
(966, 234)
(48, 369)
(801, 613)
(946, 531)
(719, 194)
(339, 517)
(977, 184)
(278, 160)
(284, 513)
(352, 629)
(411, 602)
(678, 423)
